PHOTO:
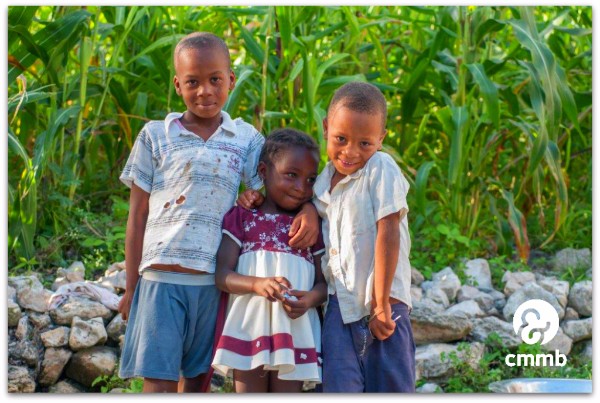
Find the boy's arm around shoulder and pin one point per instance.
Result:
(134, 242)
(305, 228)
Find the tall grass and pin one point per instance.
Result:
(490, 107)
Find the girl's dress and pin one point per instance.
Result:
(258, 332)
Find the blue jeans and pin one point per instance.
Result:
(355, 362)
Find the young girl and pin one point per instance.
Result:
(272, 339)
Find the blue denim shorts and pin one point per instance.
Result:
(353, 361)
(170, 330)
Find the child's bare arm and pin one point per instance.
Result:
(308, 299)
(305, 227)
(134, 242)
(228, 280)
(387, 246)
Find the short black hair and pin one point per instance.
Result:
(201, 41)
(359, 97)
(283, 139)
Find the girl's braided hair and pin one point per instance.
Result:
(283, 139)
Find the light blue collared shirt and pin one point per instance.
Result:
(192, 184)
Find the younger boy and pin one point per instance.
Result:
(184, 173)
(361, 196)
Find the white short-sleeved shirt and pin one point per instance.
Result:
(192, 184)
(350, 214)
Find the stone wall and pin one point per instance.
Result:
(63, 350)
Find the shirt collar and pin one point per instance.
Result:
(323, 183)
(173, 127)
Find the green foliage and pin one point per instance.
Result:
(437, 247)
(489, 113)
(499, 265)
(575, 274)
(492, 368)
(110, 382)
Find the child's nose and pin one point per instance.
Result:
(350, 151)
(203, 90)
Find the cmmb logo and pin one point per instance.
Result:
(536, 321)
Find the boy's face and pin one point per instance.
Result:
(203, 79)
(352, 138)
(289, 179)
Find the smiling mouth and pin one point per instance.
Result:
(298, 199)
(347, 164)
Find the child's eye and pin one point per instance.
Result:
(191, 83)
(216, 80)
(312, 180)
(291, 175)
(365, 143)
(340, 139)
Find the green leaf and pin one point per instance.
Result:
(421, 185)
(488, 91)
(50, 38)
(91, 242)
(167, 41)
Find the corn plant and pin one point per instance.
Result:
(489, 107)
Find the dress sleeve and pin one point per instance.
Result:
(250, 173)
(233, 225)
(139, 168)
(388, 187)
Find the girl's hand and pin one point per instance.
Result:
(272, 288)
(250, 199)
(295, 309)
(305, 227)
(381, 324)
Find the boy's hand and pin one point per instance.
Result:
(381, 324)
(250, 199)
(272, 288)
(305, 227)
(295, 309)
(125, 305)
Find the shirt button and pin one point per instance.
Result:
(333, 251)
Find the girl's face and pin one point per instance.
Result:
(289, 179)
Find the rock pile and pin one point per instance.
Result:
(64, 350)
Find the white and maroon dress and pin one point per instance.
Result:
(258, 332)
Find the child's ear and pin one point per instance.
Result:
(381, 139)
(177, 85)
(325, 127)
(262, 170)
(231, 80)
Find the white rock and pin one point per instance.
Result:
(570, 258)
(580, 298)
(559, 288)
(526, 293)
(578, 329)
(470, 309)
(478, 274)
(516, 280)
(86, 333)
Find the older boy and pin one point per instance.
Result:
(361, 196)
(184, 173)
